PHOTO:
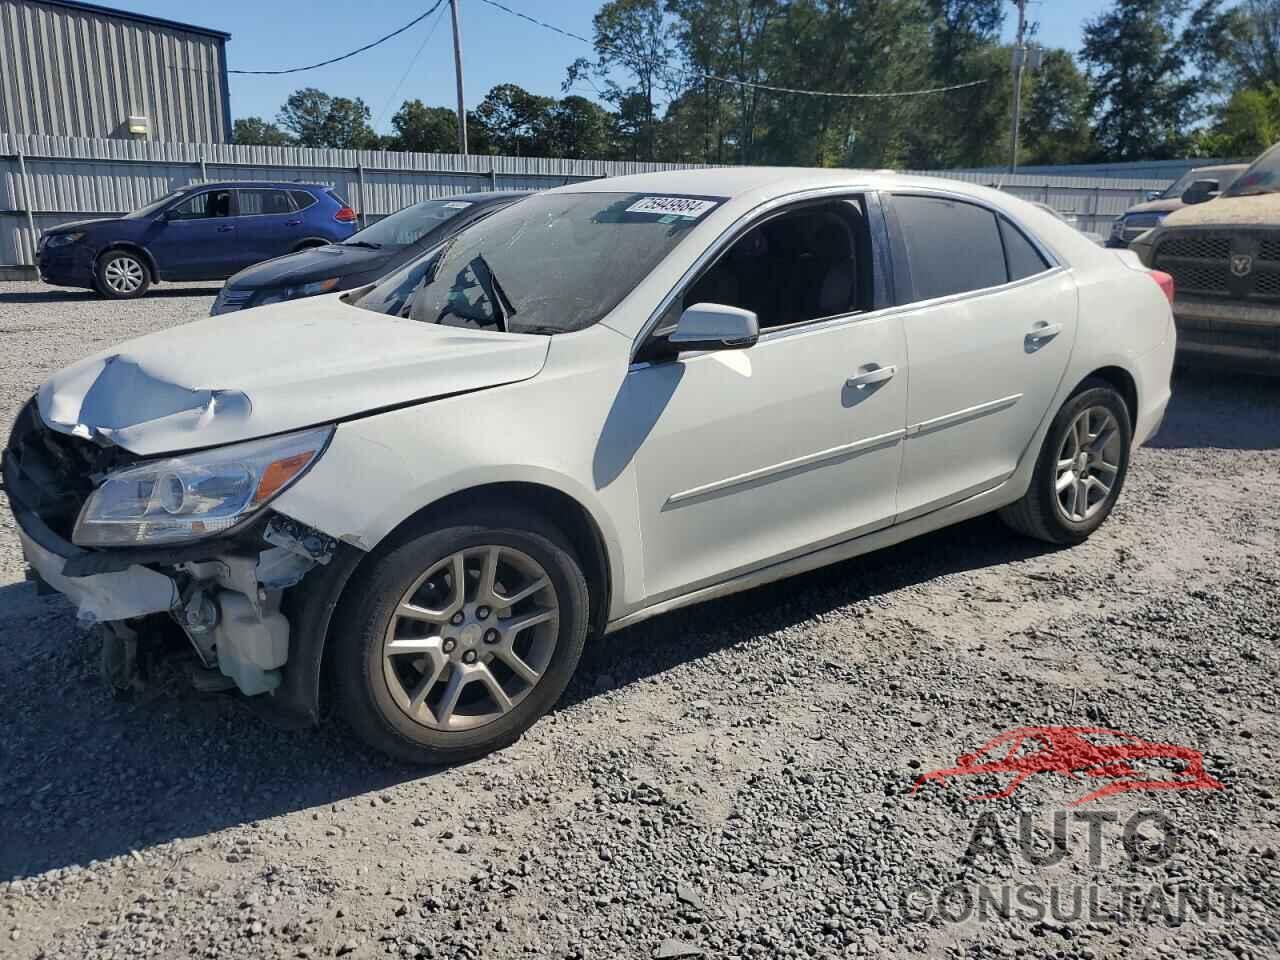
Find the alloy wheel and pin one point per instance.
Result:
(471, 638)
(1088, 464)
(123, 275)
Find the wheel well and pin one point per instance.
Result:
(1122, 380)
(559, 509)
(132, 248)
(309, 243)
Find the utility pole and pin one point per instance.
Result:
(1019, 65)
(457, 65)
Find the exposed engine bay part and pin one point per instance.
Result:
(299, 538)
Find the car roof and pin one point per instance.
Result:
(732, 182)
(281, 184)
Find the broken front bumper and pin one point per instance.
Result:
(256, 606)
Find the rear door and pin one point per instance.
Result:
(268, 225)
(195, 239)
(988, 340)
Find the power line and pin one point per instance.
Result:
(422, 46)
(758, 86)
(346, 56)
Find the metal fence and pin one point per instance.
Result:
(46, 181)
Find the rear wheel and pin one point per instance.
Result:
(121, 275)
(456, 641)
(1081, 468)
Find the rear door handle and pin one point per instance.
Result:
(292, 223)
(876, 375)
(225, 229)
(1043, 331)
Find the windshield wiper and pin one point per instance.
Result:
(362, 243)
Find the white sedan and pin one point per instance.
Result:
(606, 402)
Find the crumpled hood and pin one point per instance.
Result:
(1261, 210)
(274, 369)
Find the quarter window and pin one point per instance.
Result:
(952, 247)
(302, 199)
(1024, 259)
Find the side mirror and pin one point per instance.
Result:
(1200, 191)
(1153, 195)
(714, 326)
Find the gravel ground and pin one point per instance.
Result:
(729, 781)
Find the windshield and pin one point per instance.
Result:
(1263, 176)
(410, 224)
(553, 263)
(153, 206)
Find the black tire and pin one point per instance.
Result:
(1039, 514)
(370, 600)
(115, 265)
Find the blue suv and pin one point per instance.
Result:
(206, 231)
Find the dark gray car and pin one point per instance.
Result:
(364, 257)
(1139, 219)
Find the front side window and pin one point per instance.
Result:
(410, 224)
(255, 203)
(212, 203)
(554, 263)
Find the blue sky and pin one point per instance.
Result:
(497, 47)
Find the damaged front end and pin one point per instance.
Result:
(128, 540)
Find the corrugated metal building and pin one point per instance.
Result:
(80, 70)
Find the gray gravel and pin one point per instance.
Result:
(729, 781)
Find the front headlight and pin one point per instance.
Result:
(62, 239)
(295, 292)
(195, 496)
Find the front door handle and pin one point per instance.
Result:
(1042, 332)
(292, 223)
(873, 376)
(225, 229)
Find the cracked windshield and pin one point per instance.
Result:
(553, 263)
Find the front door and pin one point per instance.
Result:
(195, 239)
(989, 345)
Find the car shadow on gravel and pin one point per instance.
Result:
(1214, 409)
(656, 645)
(81, 296)
(85, 777)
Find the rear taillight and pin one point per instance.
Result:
(345, 215)
(1165, 281)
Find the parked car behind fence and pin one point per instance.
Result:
(206, 231)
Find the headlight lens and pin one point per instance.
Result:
(63, 239)
(295, 292)
(195, 496)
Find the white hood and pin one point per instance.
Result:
(272, 369)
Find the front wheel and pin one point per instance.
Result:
(456, 641)
(1081, 468)
(121, 275)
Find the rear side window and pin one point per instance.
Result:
(259, 202)
(1024, 259)
(952, 247)
(302, 199)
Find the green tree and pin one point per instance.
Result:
(256, 131)
(581, 129)
(1247, 125)
(1145, 98)
(317, 119)
(516, 122)
(632, 38)
(424, 129)
(1055, 124)
(1249, 37)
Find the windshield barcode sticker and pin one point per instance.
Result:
(678, 206)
